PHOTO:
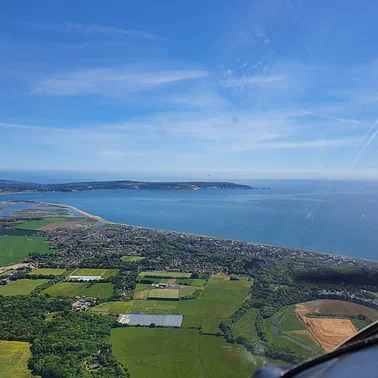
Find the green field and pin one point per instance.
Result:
(302, 345)
(20, 287)
(192, 322)
(36, 224)
(226, 291)
(179, 281)
(104, 273)
(192, 281)
(141, 287)
(164, 293)
(218, 301)
(47, 271)
(290, 322)
(131, 258)
(16, 232)
(15, 248)
(14, 356)
(73, 289)
(187, 290)
(306, 338)
(170, 353)
(360, 323)
(245, 326)
(165, 274)
(112, 307)
(219, 276)
(7, 272)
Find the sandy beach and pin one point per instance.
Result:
(81, 212)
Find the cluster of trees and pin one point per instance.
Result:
(22, 318)
(124, 283)
(66, 344)
(259, 324)
(271, 350)
(73, 341)
(341, 276)
(8, 230)
(194, 295)
(282, 282)
(258, 347)
(61, 345)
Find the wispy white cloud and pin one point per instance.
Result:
(370, 136)
(113, 81)
(60, 134)
(252, 80)
(86, 29)
(322, 143)
(20, 126)
(242, 131)
(338, 119)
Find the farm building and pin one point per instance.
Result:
(85, 278)
(146, 320)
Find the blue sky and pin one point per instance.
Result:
(232, 89)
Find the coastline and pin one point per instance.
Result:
(262, 244)
(11, 193)
(81, 212)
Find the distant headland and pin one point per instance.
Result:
(10, 186)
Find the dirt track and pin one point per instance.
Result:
(329, 332)
(14, 266)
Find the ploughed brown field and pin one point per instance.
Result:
(337, 308)
(63, 224)
(141, 295)
(329, 332)
(334, 327)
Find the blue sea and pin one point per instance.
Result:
(337, 217)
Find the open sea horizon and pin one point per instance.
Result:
(337, 217)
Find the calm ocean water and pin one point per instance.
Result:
(327, 216)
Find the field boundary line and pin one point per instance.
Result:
(10, 245)
(200, 358)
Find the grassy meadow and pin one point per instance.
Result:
(290, 322)
(104, 273)
(131, 258)
(165, 274)
(20, 287)
(169, 353)
(36, 224)
(112, 308)
(164, 293)
(14, 356)
(15, 248)
(73, 289)
(360, 323)
(218, 301)
(291, 334)
(47, 271)
(245, 326)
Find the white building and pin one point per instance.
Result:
(85, 278)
